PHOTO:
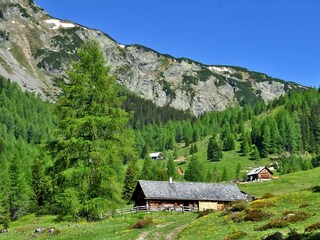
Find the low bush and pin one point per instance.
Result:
(237, 216)
(304, 205)
(205, 212)
(316, 189)
(274, 236)
(293, 217)
(257, 215)
(267, 195)
(237, 206)
(142, 223)
(261, 204)
(235, 235)
(313, 227)
(294, 235)
(277, 223)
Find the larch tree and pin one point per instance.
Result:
(130, 180)
(92, 139)
(195, 170)
(171, 168)
(214, 152)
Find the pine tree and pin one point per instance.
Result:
(238, 170)
(266, 139)
(160, 172)
(245, 145)
(256, 153)
(144, 152)
(41, 182)
(5, 186)
(130, 180)
(171, 169)
(147, 170)
(214, 152)
(212, 175)
(224, 176)
(92, 140)
(194, 171)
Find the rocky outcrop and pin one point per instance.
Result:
(36, 50)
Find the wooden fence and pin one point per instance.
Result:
(146, 208)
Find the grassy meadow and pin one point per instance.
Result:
(291, 195)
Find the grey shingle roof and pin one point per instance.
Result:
(191, 191)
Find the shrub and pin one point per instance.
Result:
(277, 223)
(237, 206)
(237, 216)
(256, 215)
(294, 235)
(313, 227)
(295, 216)
(235, 235)
(142, 223)
(304, 205)
(267, 195)
(313, 236)
(316, 189)
(274, 236)
(261, 204)
(205, 212)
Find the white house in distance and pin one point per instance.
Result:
(156, 155)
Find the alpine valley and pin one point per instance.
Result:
(36, 50)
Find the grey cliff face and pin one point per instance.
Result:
(36, 50)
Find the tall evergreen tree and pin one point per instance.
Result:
(147, 170)
(266, 139)
(92, 139)
(194, 171)
(256, 153)
(224, 176)
(214, 152)
(130, 180)
(171, 169)
(238, 170)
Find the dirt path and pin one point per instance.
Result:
(157, 234)
(175, 232)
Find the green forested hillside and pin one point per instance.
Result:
(83, 159)
(286, 130)
(26, 123)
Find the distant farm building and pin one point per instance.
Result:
(161, 195)
(156, 155)
(259, 174)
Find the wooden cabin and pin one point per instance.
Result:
(167, 194)
(259, 174)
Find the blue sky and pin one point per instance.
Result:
(278, 37)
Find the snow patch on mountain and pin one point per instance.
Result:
(55, 24)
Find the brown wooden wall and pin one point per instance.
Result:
(264, 174)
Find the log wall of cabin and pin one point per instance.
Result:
(264, 174)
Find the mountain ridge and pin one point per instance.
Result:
(36, 50)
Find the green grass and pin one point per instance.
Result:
(6, 66)
(219, 225)
(164, 225)
(287, 183)
(18, 54)
(229, 160)
(293, 193)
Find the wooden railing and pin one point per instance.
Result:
(146, 208)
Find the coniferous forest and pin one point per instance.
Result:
(80, 157)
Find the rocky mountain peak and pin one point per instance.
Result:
(36, 50)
